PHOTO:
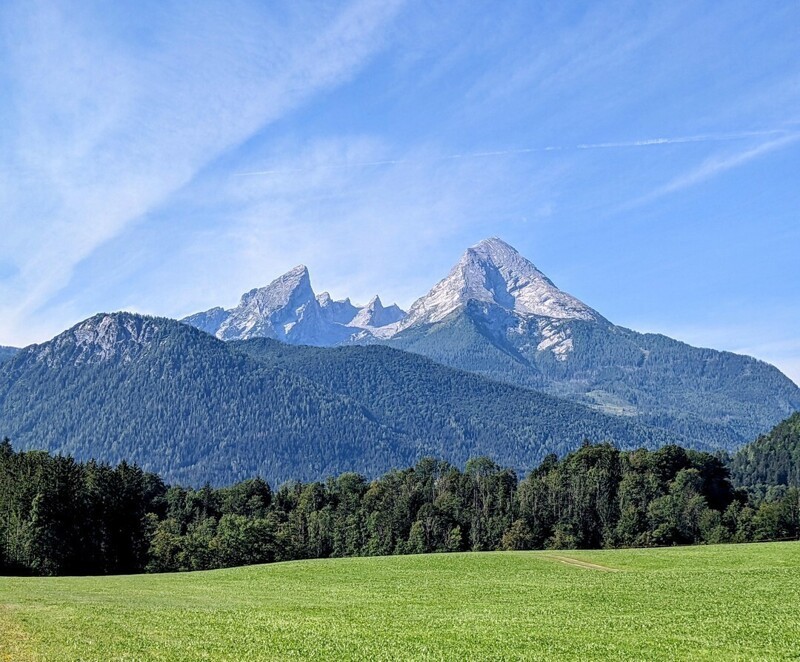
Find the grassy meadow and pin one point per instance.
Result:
(707, 602)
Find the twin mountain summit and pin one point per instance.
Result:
(495, 360)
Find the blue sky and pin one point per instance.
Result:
(646, 156)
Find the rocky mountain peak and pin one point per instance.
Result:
(490, 272)
(294, 284)
(103, 337)
(272, 311)
(495, 249)
(288, 309)
(375, 315)
(494, 272)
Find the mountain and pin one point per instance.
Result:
(337, 312)
(179, 402)
(288, 310)
(379, 320)
(6, 353)
(496, 314)
(193, 408)
(772, 459)
(495, 274)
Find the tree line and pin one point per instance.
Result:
(59, 516)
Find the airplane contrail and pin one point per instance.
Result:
(647, 142)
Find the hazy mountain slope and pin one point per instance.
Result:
(772, 459)
(6, 353)
(455, 414)
(723, 398)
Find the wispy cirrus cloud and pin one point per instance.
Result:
(108, 113)
(715, 165)
(361, 231)
(642, 142)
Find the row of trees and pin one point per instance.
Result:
(58, 516)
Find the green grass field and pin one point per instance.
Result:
(719, 602)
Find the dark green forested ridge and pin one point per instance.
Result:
(177, 401)
(192, 408)
(771, 460)
(723, 398)
(461, 414)
(58, 516)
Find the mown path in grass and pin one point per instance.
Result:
(569, 560)
(718, 602)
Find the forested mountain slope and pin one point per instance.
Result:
(720, 397)
(498, 315)
(772, 459)
(460, 414)
(6, 353)
(179, 402)
(193, 408)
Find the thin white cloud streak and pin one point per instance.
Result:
(719, 164)
(647, 142)
(711, 167)
(104, 132)
(605, 38)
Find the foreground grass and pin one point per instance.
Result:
(717, 602)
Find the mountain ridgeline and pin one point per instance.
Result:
(193, 408)
(6, 353)
(497, 315)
